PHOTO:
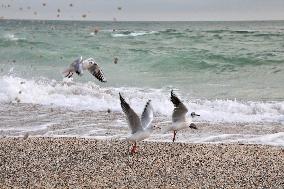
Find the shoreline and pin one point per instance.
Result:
(49, 121)
(77, 162)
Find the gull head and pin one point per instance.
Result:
(193, 114)
(90, 61)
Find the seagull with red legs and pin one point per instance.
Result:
(141, 128)
(179, 119)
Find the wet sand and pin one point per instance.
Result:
(77, 163)
(49, 121)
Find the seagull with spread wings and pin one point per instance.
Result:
(141, 128)
(179, 119)
(79, 65)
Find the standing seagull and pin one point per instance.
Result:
(140, 128)
(79, 65)
(179, 121)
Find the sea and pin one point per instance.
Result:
(231, 73)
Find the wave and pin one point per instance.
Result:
(11, 40)
(126, 33)
(231, 31)
(253, 33)
(89, 96)
(132, 34)
(12, 37)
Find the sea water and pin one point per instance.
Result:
(229, 72)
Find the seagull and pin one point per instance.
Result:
(140, 128)
(179, 119)
(79, 65)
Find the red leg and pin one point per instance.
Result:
(133, 150)
(174, 138)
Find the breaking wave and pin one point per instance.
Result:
(89, 96)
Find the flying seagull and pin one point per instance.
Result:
(140, 128)
(179, 119)
(79, 65)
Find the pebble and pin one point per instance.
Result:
(88, 163)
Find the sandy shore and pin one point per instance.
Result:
(75, 163)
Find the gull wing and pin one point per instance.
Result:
(96, 71)
(147, 115)
(132, 118)
(75, 66)
(180, 109)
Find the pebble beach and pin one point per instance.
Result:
(43, 162)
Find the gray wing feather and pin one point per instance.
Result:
(76, 66)
(97, 72)
(180, 109)
(76, 63)
(132, 118)
(147, 115)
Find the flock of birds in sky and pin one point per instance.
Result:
(141, 128)
(58, 12)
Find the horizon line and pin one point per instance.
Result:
(85, 20)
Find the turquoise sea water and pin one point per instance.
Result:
(229, 71)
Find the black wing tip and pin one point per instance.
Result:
(121, 98)
(103, 81)
(148, 103)
(172, 93)
(175, 100)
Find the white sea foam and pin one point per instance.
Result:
(12, 37)
(89, 96)
(133, 34)
(276, 139)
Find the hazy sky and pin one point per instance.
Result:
(144, 9)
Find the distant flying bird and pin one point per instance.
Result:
(115, 60)
(79, 65)
(179, 119)
(141, 128)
